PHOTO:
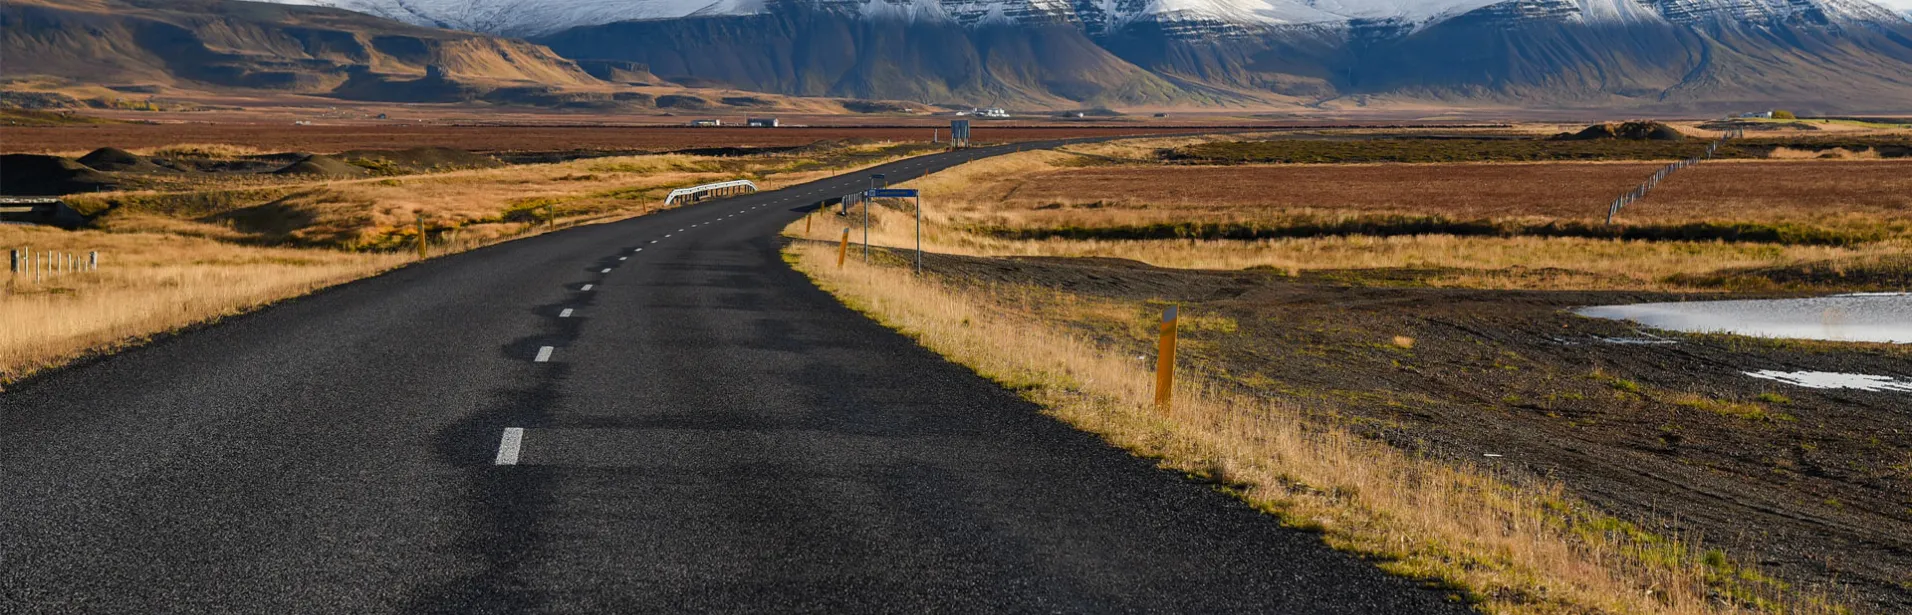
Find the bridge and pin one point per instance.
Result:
(699, 193)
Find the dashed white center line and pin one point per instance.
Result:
(586, 287)
(508, 446)
(606, 270)
(624, 258)
(639, 249)
(565, 314)
(665, 234)
(544, 354)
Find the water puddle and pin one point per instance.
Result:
(1836, 380)
(1862, 317)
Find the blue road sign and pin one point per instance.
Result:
(891, 193)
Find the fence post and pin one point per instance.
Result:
(93, 260)
(14, 262)
(1165, 362)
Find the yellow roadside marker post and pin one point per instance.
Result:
(421, 235)
(808, 218)
(843, 249)
(1165, 362)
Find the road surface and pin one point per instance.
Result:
(654, 415)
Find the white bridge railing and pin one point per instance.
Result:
(735, 186)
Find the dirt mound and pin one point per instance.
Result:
(118, 160)
(1635, 131)
(40, 175)
(422, 159)
(319, 164)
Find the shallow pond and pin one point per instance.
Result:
(1865, 317)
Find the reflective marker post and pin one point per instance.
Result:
(843, 249)
(1165, 362)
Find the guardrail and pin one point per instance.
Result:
(697, 193)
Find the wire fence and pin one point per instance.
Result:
(1640, 191)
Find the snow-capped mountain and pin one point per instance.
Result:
(541, 17)
(1807, 55)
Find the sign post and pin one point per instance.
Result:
(867, 202)
(958, 133)
(902, 193)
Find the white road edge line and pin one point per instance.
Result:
(508, 446)
(544, 354)
(565, 314)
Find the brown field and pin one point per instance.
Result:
(336, 138)
(1849, 220)
(1741, 190)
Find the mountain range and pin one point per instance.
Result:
(1812, 55)
(1845, 55)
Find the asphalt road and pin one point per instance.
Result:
(696, 427)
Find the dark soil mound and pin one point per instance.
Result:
(1636, 131)
(748, 101)
(875, 106)
(319, 164)
(40, 175)
(119, 160)
(423, 159)
(681, 101)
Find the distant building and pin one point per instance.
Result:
(40, 211)
(761, 122)
(992, 112)
(1764, 115)
(701, 123)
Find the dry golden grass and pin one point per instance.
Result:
(147, 284)
(1521, 547)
